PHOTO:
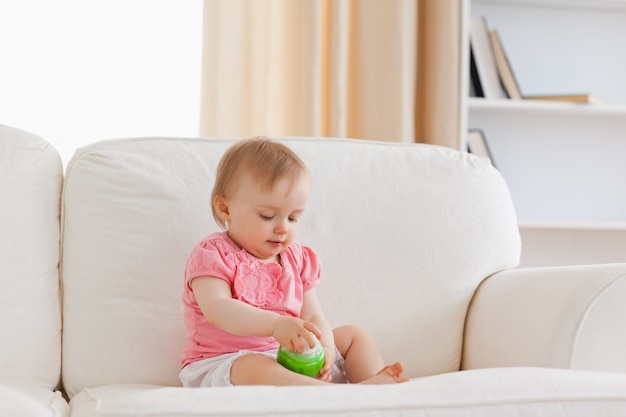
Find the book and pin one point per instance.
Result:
(476, 89)
(505, 71)
(477, 144)
(488, 81)
(511, 86)
(574, 98)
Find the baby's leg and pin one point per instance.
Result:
(256, 369)
(363, 362)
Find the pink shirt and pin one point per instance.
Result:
(270, 286)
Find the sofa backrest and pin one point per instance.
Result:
(405, 233)
(31, 177)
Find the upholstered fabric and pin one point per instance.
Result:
(385, 219)
(482, 393)
(418, 244)
(31, 177)
(19, 399)
(567, 317)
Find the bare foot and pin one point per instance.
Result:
(390, 374)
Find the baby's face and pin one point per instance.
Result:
(264, 222)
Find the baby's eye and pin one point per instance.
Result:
(294, 219)
(264, 217)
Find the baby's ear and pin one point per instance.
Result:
(221, 207)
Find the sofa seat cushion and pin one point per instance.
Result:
(28, 400)
(488, 392)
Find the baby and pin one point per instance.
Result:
(251, 288)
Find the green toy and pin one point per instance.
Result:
(308, 363)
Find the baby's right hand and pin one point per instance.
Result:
(293, 333)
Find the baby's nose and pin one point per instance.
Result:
(281, 228)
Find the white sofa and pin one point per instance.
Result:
(419, 245)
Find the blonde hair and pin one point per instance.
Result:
(267, 161)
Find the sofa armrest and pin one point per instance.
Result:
(560, 317)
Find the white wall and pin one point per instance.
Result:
(78, 71)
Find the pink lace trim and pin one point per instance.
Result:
(255, 282)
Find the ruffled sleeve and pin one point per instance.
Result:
(211, 257)
(310, 269)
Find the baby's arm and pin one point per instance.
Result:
(215, 299)
(312, 312)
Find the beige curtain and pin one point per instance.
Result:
(373, 69)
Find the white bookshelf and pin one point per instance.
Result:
(561, 161)
(565, 163)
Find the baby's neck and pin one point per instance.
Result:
(270, 260)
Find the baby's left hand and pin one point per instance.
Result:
(329, 361)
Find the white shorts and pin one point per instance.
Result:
(215, 372)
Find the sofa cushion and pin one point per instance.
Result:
(28, 400)
(482, 393)
(405, 233)
(31, 177)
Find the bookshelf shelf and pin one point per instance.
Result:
(594, 4)
(541, 224)
(541, 108)
(557, 244)
(564, 162)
